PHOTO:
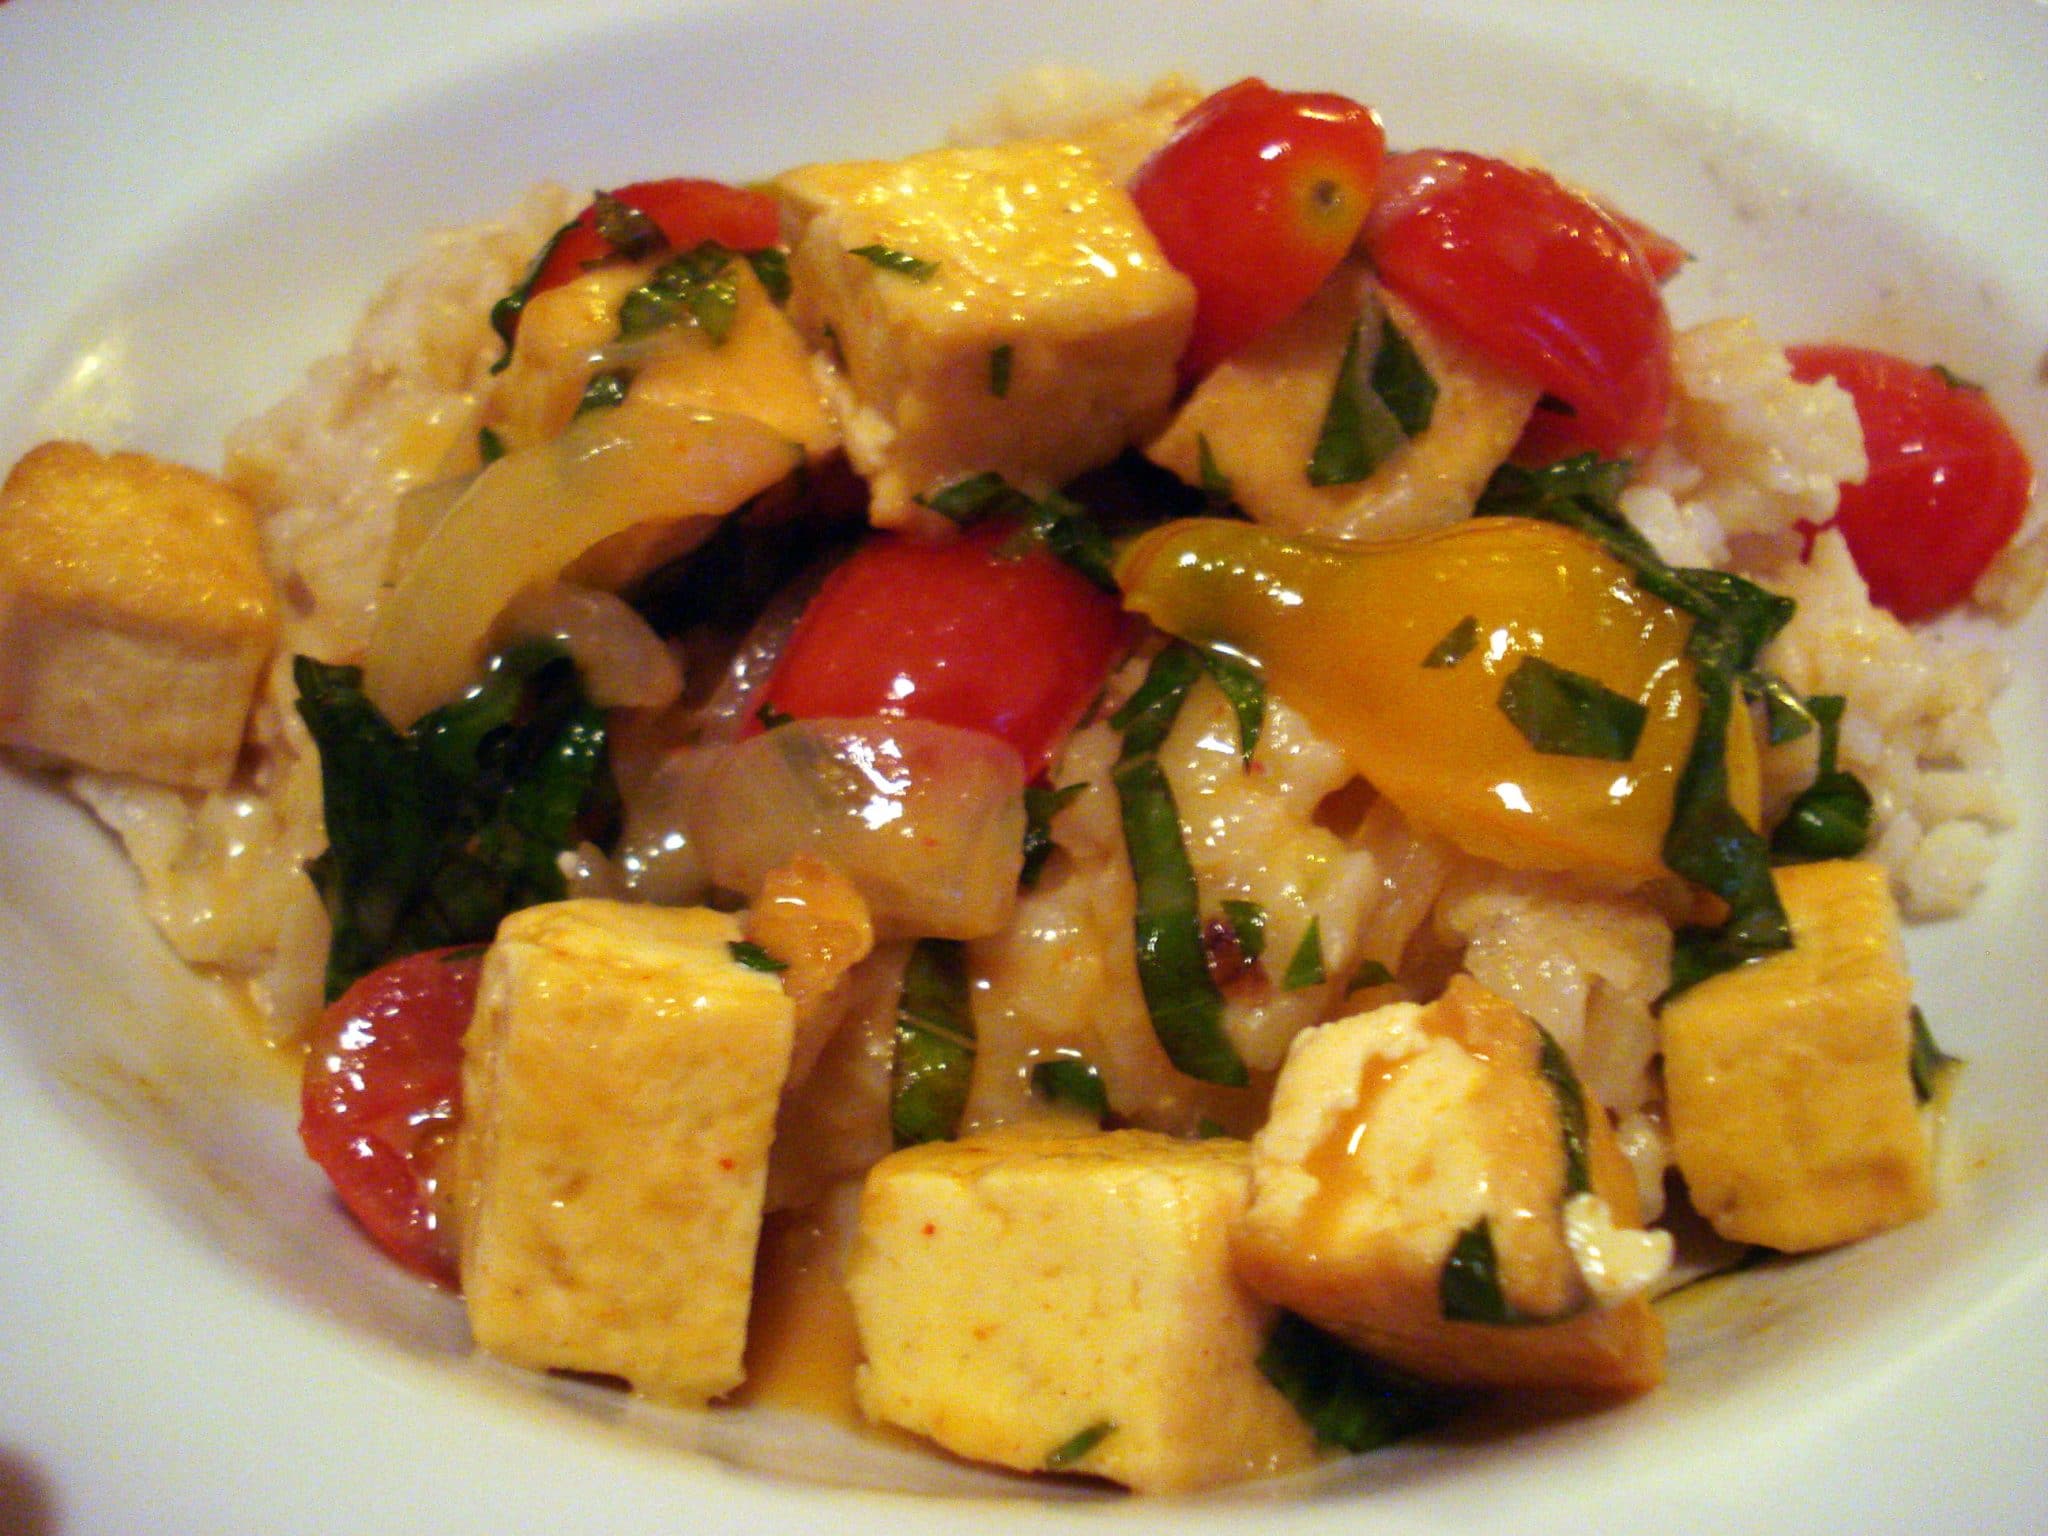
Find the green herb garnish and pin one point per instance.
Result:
(489, 446)
(1568, 714)
(1556, 1068)
(1370, 973)
(902, 263)
(1456, 645)
(934, 1061)
(770, 717)
(1148, 714)
(1065, 528)
(506, 312)
(771, 270)
(629, 232)
(605, 390)
(697, 283)
(1000, 361)
(1217, 491)
(1468, 1289)
(1247, 921)
(1373, 413)
(1245, 690)
(1305, 969)
(751, 955)
(1070, 1451)
(1926, 1060)
(1041, 804)
(1071, 1080)
(1830, 818)
(1348, 1400)
(436, 833)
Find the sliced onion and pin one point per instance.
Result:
(926, 821)
(623, 663)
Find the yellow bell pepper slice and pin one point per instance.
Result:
(1353, 636)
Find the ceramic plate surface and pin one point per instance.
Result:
(198, 201)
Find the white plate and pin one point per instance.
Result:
(197, 201)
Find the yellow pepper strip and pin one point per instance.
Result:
(1357, 636)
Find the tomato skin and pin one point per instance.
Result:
(380, 1094)
(968, 631)
(1256, 198)
(1948, 484)
(1538, 278)
(688, 212)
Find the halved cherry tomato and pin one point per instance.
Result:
(983, 631)
(1538, 278)
(1256, 198)
(1948, 483)
(380, 1096)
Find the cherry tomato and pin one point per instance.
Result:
(380, 1095)
(977, 631)
(1256, 198)
(1948, 482)
(1536, 277)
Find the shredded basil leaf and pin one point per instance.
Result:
(1247, 921)
(1402, 382)
(1347, 1399)
(1568, 714)
(771, 270)
(1216, 488)
(697, 283)
(436, 833)
(1455, 645)
(970, 500)
(1926, 1061)
(605, 390)
(902, 263)
(934, 1061)
(1066, 529)
(629, 232)
(1245, 690)
(1305, 969)
(1556, 1068)
(1071, 1080)
(1468, 1289)
(506, 312)
(1373, 412)
(1370, 973)
(1041, 804)
(1148, 714)
(1830, 818)
(1075, 1449)
(1000, 361)
(755, 958)
(489, 446)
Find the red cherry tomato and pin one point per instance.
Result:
(1256, 197)
(1536, 277)
(971, 631)
(380, 1095)
(1948, 482)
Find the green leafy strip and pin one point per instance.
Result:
(506, 312)
(1456, 645)
(629, 232)
(1348, 1400)
(1074, 1081)
(755, 958)
(771, 271)
(902, 263)
(1568, 714)
(1173, 966)
(1926, 1061)
(1830, 818)
(1247, 921)
(435, 834)
(1001, 361)
(698, 283)
(1707, 841)
(1306, 968)
(1468, 1288)
(605, 390)
(1556, 1068)
(1370, 973)
(1041, 804)
(1148, 714)
(1245, 690)
(490, 447)
(1065, 528)
(1077, 1448)
(934, 1061)
(1373, 413)
(1216, 488)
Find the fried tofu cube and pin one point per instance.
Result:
(135, 615)
(1066, 1302)
(1256, 417)
(619, 1090)
(1788, 1080)
(989, 309)
(1426, 1190)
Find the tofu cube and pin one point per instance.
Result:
(135, 615)
(1015, 1292)
(1256, 416)
(1793, 1116)
(1396, 1133)
(1011, 313)
(619, 1091)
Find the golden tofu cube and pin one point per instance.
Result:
(1410, 1137)
(1788, 1084)
(619, 1090)
(1066, 1302)
(135, 615)
(1254, 420)
(1000, 308)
